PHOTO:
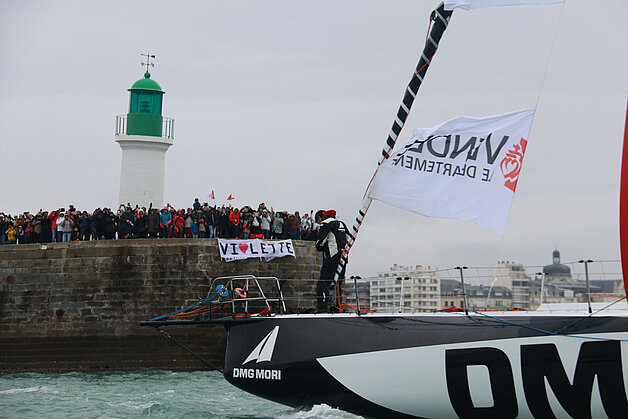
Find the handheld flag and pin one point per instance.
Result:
(230, 197)
(466, 168)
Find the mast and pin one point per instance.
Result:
(623, 208)
(439, 18)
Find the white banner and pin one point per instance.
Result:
(475, 4)
(466, 168)
(254, 248)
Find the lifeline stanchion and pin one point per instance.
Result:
(586, 274)
(464, 293)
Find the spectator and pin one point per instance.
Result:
(285, 232)
(194, 228)
(37, 229)
(293, 226)
(189, 217)
(54, 216)
(28, 233)
(265, 223)
(246, 226)
(165, 219)
(85, 223)
(126, 225)
(141, 224)
(108, 220)
(178, 223)
(297, 215)
(46, 228)
(10, 234)
(211, 221)
(152, 224)
(97, 224)
(4, 225)
(223, 223)
(65, 226)
(58, 231)
(74, 234)
(202, 228)
(277, 226)
(21, 236)
(255, 225)
(306, 227)
(234, 221)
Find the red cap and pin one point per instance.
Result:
(329, 213)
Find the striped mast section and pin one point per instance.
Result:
(439, 18)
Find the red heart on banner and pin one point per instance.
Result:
(243, 247)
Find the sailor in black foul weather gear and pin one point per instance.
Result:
(331, 239)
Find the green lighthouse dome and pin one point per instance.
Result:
(145, 107)
(146, 83)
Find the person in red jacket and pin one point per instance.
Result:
(53, 219)
(178, 224)
(234, 223)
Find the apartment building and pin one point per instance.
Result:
(406, 289)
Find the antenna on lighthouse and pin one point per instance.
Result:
(148, 57)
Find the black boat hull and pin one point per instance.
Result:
(440, 365)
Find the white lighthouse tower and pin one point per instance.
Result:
(144, 136)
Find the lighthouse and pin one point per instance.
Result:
(144, 136)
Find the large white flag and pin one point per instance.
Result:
(474, 4)
(466, 168)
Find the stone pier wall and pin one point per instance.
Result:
(77, 306)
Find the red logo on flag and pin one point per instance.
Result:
(511, 164)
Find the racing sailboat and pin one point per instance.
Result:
(543, 363)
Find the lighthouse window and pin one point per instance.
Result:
(145, 103)
(157, 103)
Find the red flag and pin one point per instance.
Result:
(230, 197)
(623, 208)
(212, 195)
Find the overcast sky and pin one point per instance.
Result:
(290, 102)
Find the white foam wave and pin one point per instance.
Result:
(136, 405)
(319, 411)
(43, 389)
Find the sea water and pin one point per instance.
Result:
(145, 393)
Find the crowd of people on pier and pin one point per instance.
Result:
(127, 222)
